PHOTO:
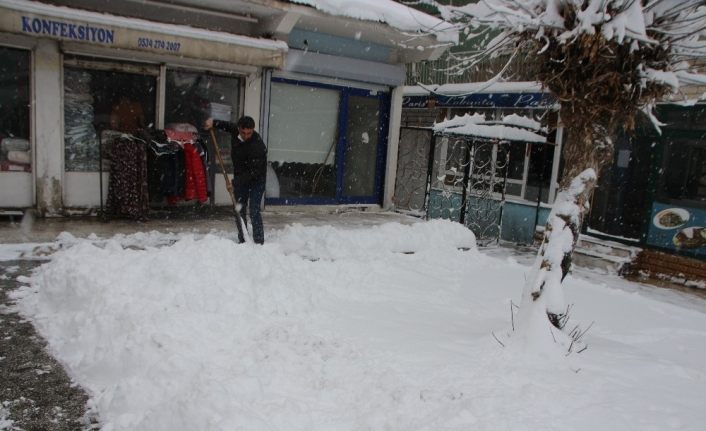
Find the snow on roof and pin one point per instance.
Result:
(395, 14)
(477, 126)
(142, 24)
(474, 87)
(522, 121)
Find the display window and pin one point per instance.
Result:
(141, 126)
(192, 97)
(99, 97)
(529, 165)
(683, 174)
(15, 148)
(685, 171)
(326, 143)
(103, 97)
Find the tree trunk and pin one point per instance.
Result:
(561, 232)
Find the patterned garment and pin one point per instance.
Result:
(127, 188)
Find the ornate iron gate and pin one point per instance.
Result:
(486, 190)
(464, 179)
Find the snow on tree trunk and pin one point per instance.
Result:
(543, 287)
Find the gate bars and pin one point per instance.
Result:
(453, 177)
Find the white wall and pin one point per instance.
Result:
(48, 127)
(16, 189)
(393, 141)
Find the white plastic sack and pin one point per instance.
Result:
(14, 144)
(271, 183)
(19, 157)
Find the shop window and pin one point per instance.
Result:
(515, 169)
(685, 171)
(529, 165)
(303, 133)
(682, 118)
(101, 100)
(192, 97)
(14, 110)
(539, 173)
(362, 135)
(516, 164)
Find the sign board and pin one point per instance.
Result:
(678, 228)
(482, 100)
(164, 39)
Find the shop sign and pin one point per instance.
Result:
(130, 36)
(67, 30)
(481, 100)
(678, 228)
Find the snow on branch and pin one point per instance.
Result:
(659, 34)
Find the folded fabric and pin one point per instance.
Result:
(181, 127)
(14, 144)
(18, 167)
(19, 157)
(181, 136)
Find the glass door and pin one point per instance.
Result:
(362, 150)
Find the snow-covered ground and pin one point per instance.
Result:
(391, 327)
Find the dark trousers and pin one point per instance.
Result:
(250, 194)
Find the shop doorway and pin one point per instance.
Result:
(326, 143)
(620, 201)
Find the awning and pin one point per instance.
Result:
(111, 31)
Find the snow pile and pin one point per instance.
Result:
(385, 328)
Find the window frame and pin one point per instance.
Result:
(80, 60)
(345, 91)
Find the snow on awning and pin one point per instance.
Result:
(395, 14)
(111, 31)
(512, 128)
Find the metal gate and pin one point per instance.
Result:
(464, 179)
(413, 170)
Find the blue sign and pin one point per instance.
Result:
(67, 30)
(678, 228)
(482, 100)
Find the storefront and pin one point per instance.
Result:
(100, 69)
(327, 142)
(532, 170)
(327, 101)
(676, 215)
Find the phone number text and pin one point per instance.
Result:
(146, 42)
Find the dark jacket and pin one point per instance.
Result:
(249, 157)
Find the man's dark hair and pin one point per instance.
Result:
(246, 122)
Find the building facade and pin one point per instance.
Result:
(324, 88)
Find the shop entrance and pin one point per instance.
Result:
(326, 143)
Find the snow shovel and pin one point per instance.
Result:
(238, 220)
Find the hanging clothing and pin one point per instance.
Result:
(195, 186)
(165, 163)
(127, 187)
(202, 149)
